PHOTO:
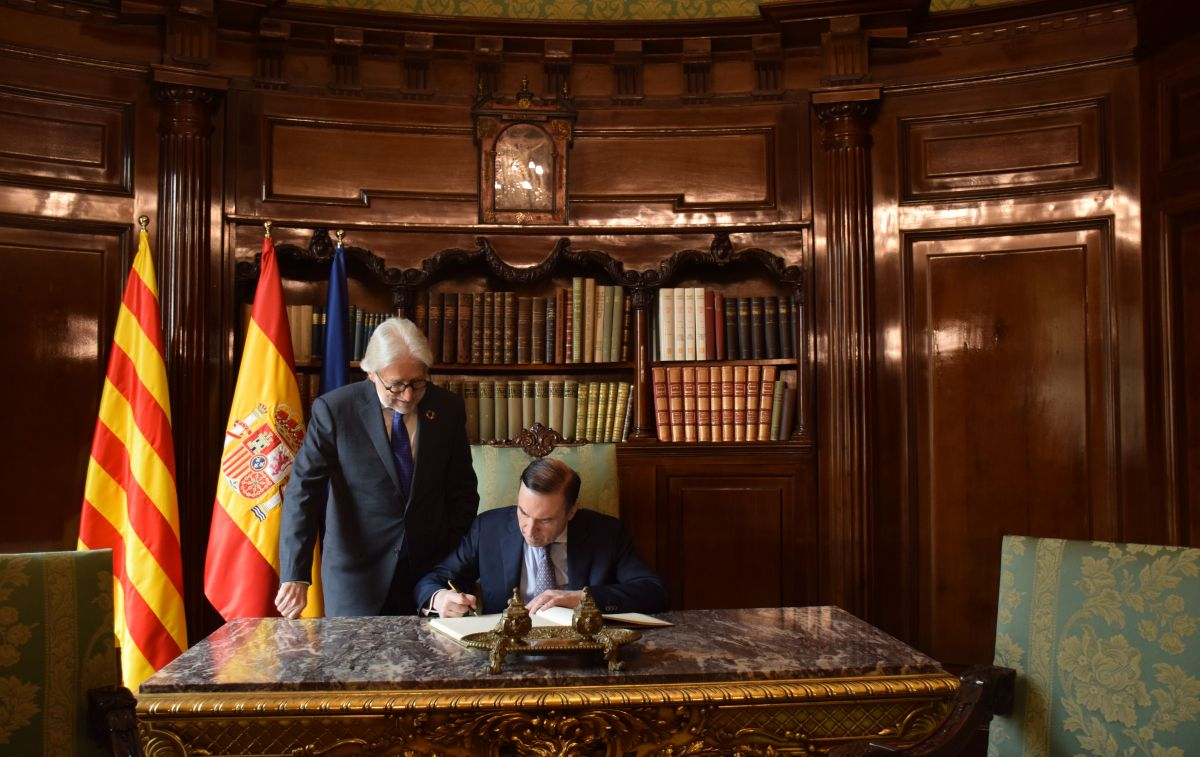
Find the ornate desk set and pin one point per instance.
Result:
(515, 634)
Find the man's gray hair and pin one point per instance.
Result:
(395, 339)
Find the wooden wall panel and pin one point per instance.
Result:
(66, 142)
(62, 285)
(361, 161)
(970, 155)
(1012, 374)
(1185, 242)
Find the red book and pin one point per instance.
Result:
(719, 324)
(662, 410)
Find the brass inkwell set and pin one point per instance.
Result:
(516, 634)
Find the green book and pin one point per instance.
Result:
(777, 410)
(577, 319)
(514, 409)
(502, 411)
(570, 408)
(471, 402)
(487, 411)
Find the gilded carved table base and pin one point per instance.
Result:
(664, 721)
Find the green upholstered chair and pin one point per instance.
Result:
(59, 678)
(499, 468)
(1103, 641)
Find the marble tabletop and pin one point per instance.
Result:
(404, 653)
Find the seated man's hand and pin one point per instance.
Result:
(554, 598)
(291, 599)
(453, 604)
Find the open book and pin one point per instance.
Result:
(456, 628)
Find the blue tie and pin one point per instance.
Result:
(544, 578)
(402, 451)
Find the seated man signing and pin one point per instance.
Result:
(527, 546)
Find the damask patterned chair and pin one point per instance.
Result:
(59, 679)
(1103, 641)
(499, 468)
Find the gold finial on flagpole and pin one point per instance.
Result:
(340, 234)
(144, 222)
(267, 227)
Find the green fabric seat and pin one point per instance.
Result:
(499, 472)
(56, 643)
(1104, 641)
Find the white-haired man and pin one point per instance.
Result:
(392, 455)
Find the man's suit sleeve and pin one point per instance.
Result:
(461, 566)
(634, 586)
(462, 487)
(305, 495)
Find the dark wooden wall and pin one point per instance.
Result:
(999, 223)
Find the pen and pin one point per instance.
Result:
(453, 588)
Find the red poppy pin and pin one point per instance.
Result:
(430, 415)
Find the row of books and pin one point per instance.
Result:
(308, 324)
(695, 323)
(594, 411)
(584, 323)
(726, 403)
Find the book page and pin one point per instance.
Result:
(456, 628)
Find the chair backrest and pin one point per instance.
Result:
(56, 643)
(1104, 640)
(499, 472)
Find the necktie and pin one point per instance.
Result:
(402, 451)
(544, 579)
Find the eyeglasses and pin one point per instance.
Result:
(397, 387)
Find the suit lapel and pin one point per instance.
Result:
(513, 555)
(371, 414)
(427, 443)
(578, 553)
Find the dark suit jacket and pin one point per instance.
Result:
(347, 452)
(599, 555)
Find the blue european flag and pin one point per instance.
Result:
(335, 369)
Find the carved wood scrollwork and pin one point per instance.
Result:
(722, 253)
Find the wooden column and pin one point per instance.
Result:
(846, 115)
(644, 428)
(188, 290)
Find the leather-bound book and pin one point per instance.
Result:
(756, 328)
(449, 326)
(689, 324)
(616, 303)
(471, 402)
(666, 324)
(578, 288)
(489, 326)
(487, 411)
(465, 324)
(524, 329)
(528, 402)
(547, 353)
(753, 379)
(771, 328)
(585, 390)
(515, 402)
(509, 328)
(681, 299)
(787, 340)
(537, 352)
(626, 325)
(718, 326)
(541, 402)
(788, 414)
(703, 406)
(478, 318)
(501, 410)
(557, 396)
(739, 403)
(710, 325)
(688, 378)
(568, 311)
(588, 306)
(675, 401)
(777, 409)
(596, 402)
(621, 412)
(662, 410)
(714, 402)
(727, 433)
(766, 400)
(743, 328)
(570, 408)
(560, 326)
(421, 311)
(603, 325)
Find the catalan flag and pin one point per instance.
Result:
(129, 499)
(264, 432)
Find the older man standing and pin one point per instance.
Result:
(392, 455)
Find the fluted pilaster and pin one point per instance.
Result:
(847, 468)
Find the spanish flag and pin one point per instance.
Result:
(129, 499)
(262, 437)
